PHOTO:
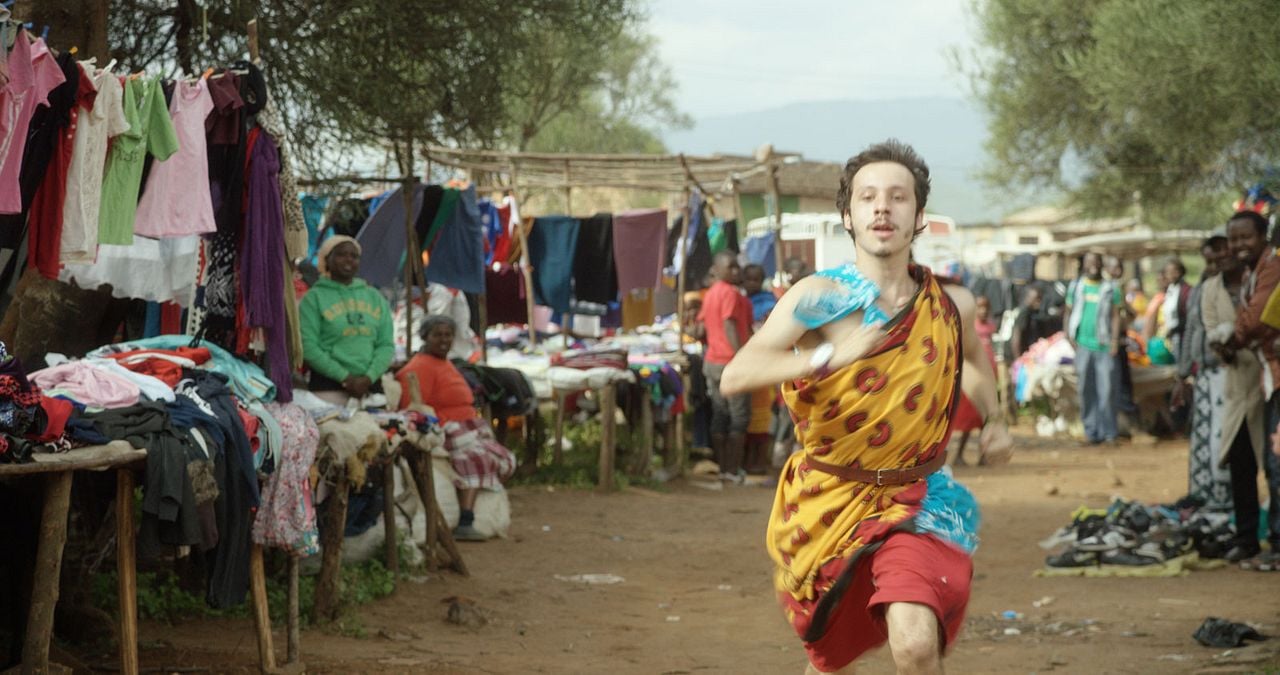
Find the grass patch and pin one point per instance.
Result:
(161, 597)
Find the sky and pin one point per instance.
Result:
(742, 55)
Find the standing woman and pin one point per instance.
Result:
(346, 327)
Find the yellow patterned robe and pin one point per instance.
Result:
(891, 409)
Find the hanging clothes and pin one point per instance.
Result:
(457, 258)
(169, 207)
(759, 251)
(505, 299)
(595, 278)
(94, 128)
(33, 74)
(262, 257)
(161, 270)
(382, 239)
(492, 222)
(150, 132)
(639, 247)
(552, 246)
(637, 308)
(313, 207)
(44, 223)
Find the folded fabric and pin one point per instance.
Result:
(87, 384)
(248, 382)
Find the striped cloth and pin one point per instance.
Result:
(478, 459)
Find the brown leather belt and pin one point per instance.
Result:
(880, 476)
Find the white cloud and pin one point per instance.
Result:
(733, 56)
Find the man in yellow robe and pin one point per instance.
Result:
(872, 542)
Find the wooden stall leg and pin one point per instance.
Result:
(44, 584)
(295, 632)
(608, 434)
(326, 603)
(126, 573)
(390, 545)
(645, 457)
(437, 528)
(261, 614)
(557, 456)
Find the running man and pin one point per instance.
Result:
(871, 541)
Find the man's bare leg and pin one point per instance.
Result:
(847, 670)
(914, 638)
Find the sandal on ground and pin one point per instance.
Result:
(1268, 561)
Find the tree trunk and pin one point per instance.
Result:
(72, 23)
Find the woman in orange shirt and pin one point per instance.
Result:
(479, 460)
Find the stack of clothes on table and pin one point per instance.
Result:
(226, 465)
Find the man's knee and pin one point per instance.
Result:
(914, 637)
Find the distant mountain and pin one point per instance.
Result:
(948, 133)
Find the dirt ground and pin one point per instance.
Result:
(696, 594)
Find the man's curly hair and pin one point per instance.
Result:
(891, 150)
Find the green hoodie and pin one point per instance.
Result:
(346, 330)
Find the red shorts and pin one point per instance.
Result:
(908, 567)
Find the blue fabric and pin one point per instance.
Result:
(949, 511)
(552, 245)
(759, 251)
(151, 325)
(382, 239)
(854, 292)
(492, 222)
(761, 304)
(457, 260)
(375, 202)
(313, 207)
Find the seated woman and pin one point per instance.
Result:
(347, 339)
(477, 457)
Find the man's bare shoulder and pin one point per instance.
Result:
(962, 296)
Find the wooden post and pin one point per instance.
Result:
(295, 629)
(568, 191)
(389, 545)
(335, 514)
(557, 452)
(681, 277)
(437, 529)
(608, 434)
(261, 615)
(645, 456)
(526, 269)
(252, 30)
(44, 583)
(126, 573)
(777, 219)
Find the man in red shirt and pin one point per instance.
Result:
(726, 316)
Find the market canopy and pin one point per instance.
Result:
(566, 170)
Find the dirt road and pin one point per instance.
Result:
(695, 594)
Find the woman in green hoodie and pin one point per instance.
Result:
(346, 327)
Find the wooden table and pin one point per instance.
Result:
(56, 470)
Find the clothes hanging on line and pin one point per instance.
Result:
(639, 248)
(595, 277)
(552, 246)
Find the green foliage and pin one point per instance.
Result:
(1167, 99)
(160, 597)
(580, 467)
(359, 78)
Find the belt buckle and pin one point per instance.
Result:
(880, 477)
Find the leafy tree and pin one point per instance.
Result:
(1111, 98)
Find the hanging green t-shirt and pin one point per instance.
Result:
(150, 131)
(1087, 333)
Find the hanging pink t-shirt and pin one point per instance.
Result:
(177, 202)
(33, 73)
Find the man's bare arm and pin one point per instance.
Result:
(770, 357)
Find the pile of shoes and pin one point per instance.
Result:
(1127, 534)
